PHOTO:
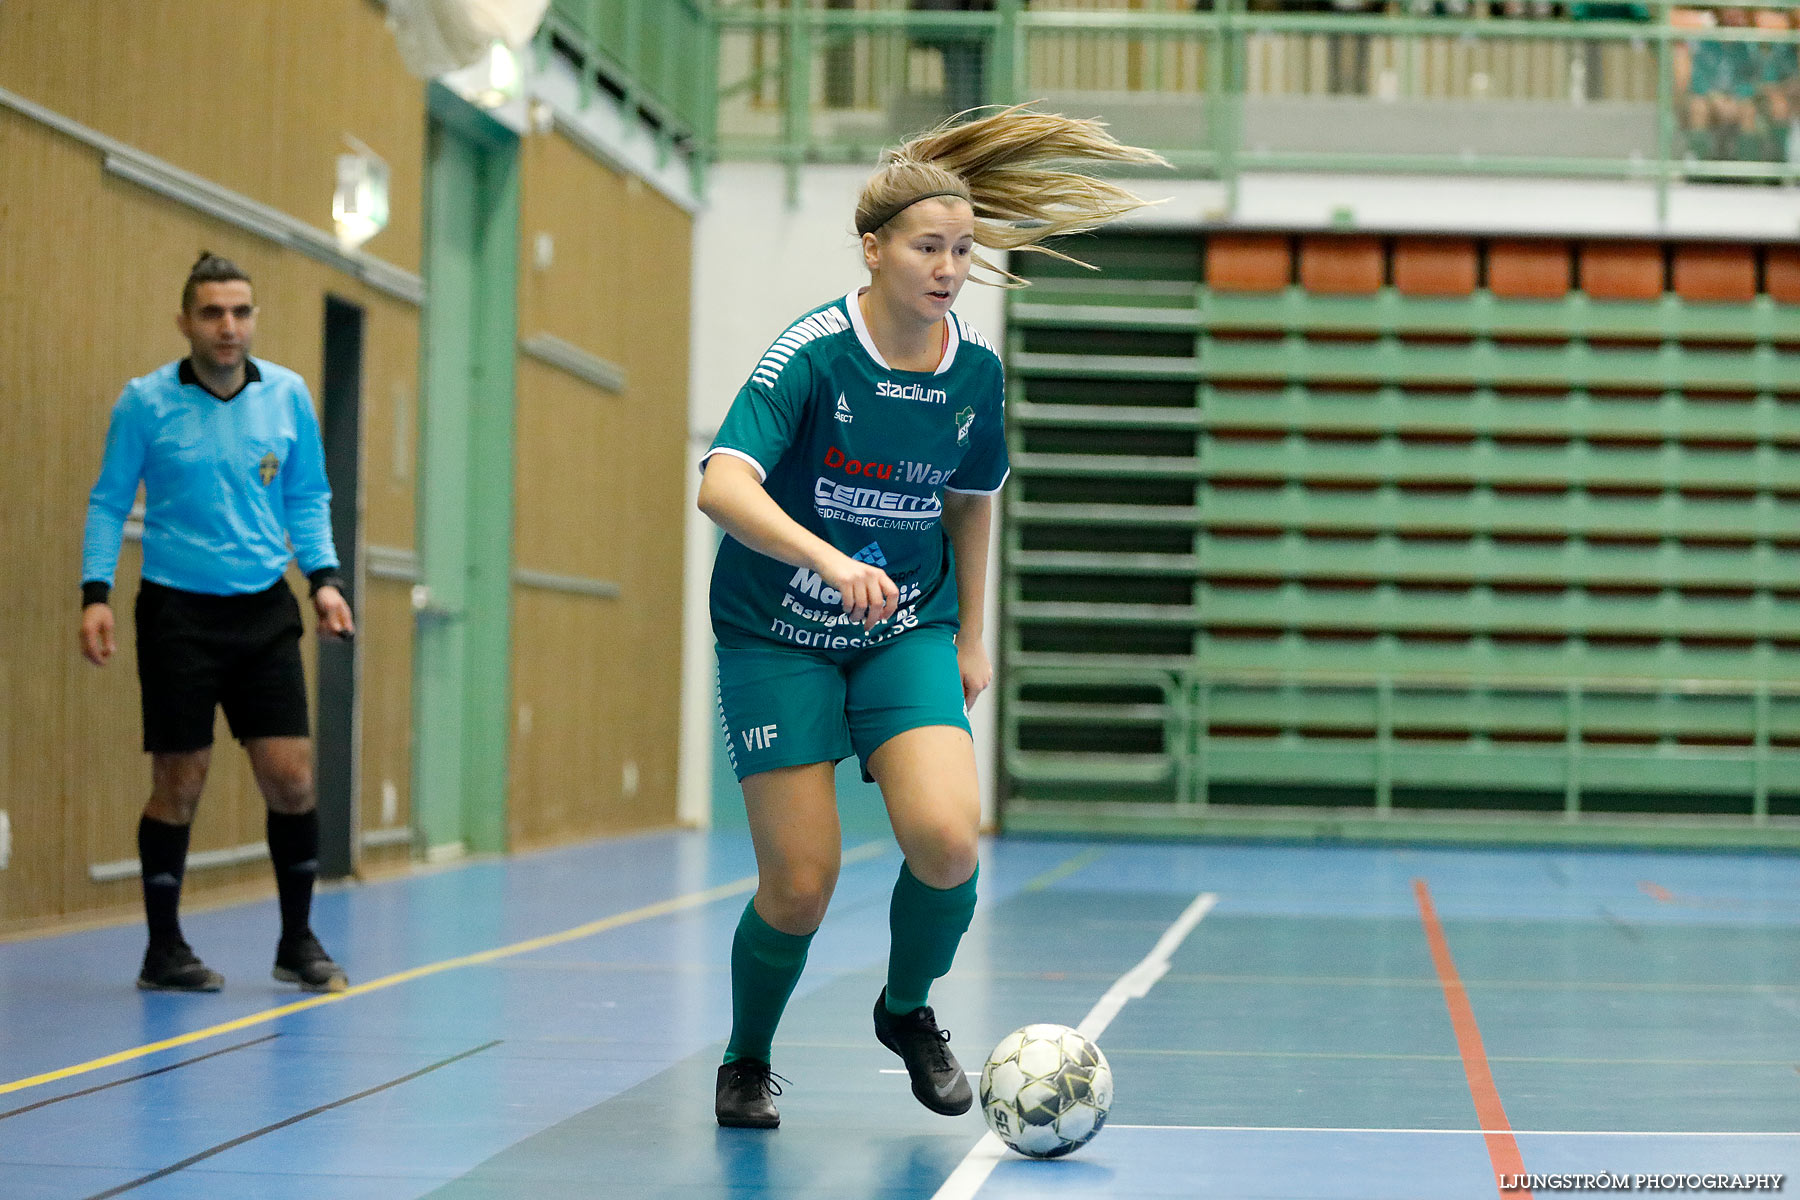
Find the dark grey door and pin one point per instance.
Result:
(336, 741)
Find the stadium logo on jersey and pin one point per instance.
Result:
(911, 391)
(843, 409)
(872, 555)
(268, 468)
(964, 419)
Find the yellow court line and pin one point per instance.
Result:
(661, 908)
(1063, 870)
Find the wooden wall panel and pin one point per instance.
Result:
(256, 95)
(390, 417)
(657, 461)
(598, 495)
(580, 205)
(384, 631)
(570, 696)
(102, 267)
(570, 493)
(100, 262)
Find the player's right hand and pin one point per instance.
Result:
(97, 633)
(870, 597)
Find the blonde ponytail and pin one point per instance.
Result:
(1014, 168)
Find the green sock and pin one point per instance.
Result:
(765, 965)
(927, 923)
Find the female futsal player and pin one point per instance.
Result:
(854, 476)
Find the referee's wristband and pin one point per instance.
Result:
(325, 577)
(95, 591)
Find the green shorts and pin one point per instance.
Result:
(785, 707)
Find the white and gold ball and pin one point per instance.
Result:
(1046, 1090)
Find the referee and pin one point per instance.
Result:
(229, 453)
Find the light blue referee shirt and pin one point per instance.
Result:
(227, 483)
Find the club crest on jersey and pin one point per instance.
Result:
(268, 468)
(843, 409)
(964, 420)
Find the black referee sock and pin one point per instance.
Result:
(162, 857)
(294, 849)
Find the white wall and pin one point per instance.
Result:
(759, 262)
(1442, 204)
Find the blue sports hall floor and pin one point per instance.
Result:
(1289, 1022)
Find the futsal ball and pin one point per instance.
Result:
(1045, 1090)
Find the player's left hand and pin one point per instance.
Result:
(334, 614)
(977, 672)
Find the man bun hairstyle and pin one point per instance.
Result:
(1016, 168)
(209, 268)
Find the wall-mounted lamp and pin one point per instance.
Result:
(359, 206)
(498, 78)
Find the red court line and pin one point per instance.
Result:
(1503, 1151)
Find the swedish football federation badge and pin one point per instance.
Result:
(267, 468)
(964, 419)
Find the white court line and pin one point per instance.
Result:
(1136, 983)
(1664, 1133)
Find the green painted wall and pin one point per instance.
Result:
(461, 707)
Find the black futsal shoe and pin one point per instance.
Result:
(937, 1078)
(746, 1095)
(174, 967)
(303, 961)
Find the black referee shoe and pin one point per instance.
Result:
(303, 961)
(174, 967)
(745, 1095)
(937, 1078)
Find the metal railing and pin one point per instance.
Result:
(653, 56)
(1228, 90)
(1590, 742)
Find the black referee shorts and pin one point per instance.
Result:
(196, 652)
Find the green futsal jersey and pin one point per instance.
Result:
(860, 454)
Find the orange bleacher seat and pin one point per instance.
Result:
(1434, 266)
(1622, 270)
(1248, 262)
(1781, 274)
(1529, 270)
(1715, 272)
(1341, 265)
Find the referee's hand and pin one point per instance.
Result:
(97, 643)
(334, 614)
